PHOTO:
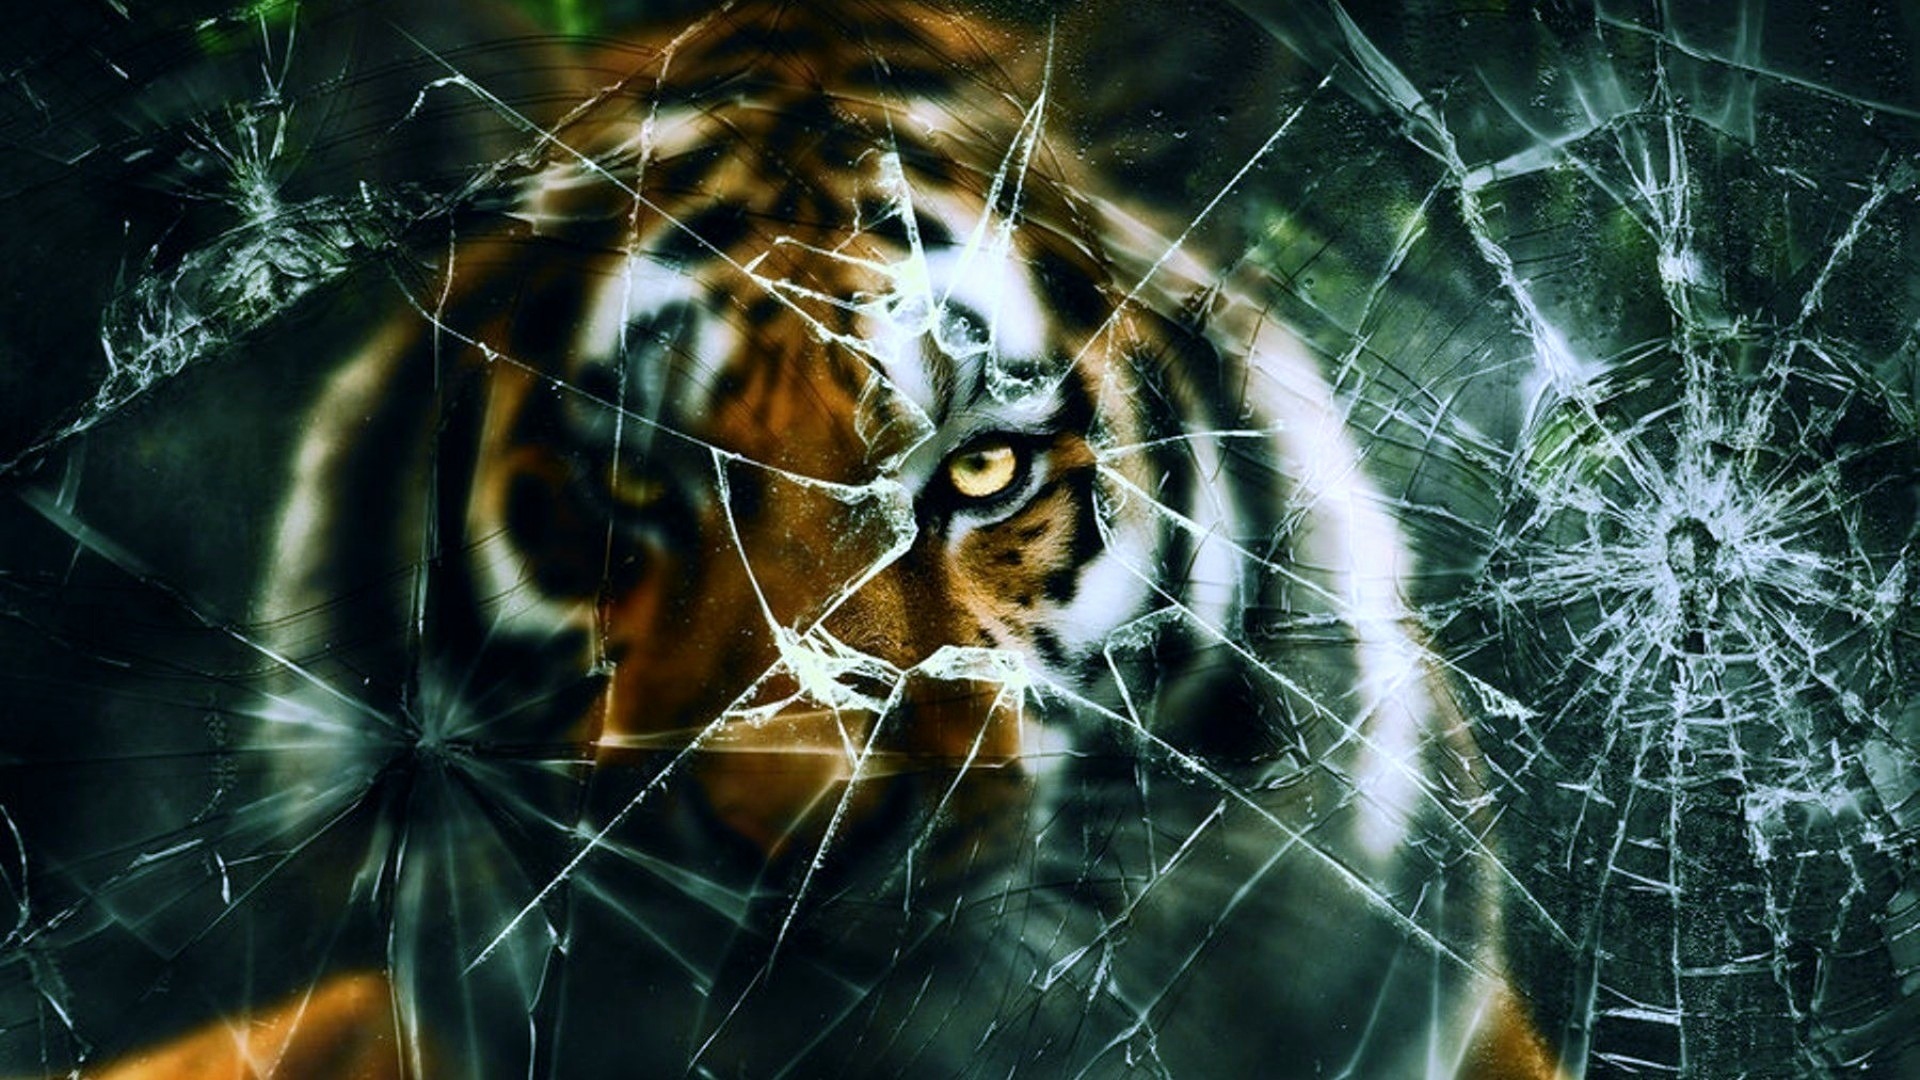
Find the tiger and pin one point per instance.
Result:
(902, 608)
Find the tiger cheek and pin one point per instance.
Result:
(1010, 567)
(677, 652)
(637, 701)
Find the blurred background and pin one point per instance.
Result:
(1622, 299)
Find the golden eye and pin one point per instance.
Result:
(984, 471)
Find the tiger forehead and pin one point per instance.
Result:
(812, 364)
(781, 327)
(849, 225)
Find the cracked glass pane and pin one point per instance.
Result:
(982, 538)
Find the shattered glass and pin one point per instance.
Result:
(1589, 360)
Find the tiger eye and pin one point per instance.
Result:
(984, 471)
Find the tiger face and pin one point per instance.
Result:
(902, 532)
(815, 464)
(796, 497)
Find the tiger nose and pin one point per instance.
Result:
(782, 783)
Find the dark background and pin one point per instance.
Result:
(1711, 819)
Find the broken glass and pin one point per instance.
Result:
(1584, 390)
